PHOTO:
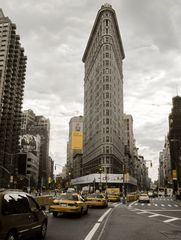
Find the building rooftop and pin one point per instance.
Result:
(104, 7)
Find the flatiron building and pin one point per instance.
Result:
(103, 146)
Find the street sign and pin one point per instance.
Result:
(174, 174)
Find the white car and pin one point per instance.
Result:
(144, 198)
(150, 194)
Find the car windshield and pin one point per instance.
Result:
(68, 197)
(95, 196)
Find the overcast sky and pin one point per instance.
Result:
(54, 34)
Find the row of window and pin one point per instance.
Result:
(106, 95)
(106, 55)
(4, 25)
(106, 87)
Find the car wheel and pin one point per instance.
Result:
(55, 214)
(80, 213)
(86, 211)
(43, 230)
(11, 236)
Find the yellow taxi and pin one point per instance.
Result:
(113, 194)
(69, 203)
(96, 200)
(113, 197)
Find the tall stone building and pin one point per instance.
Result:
(75, 146)
(39, 125)
(175, 142)
(103, 96)
(12, 78)
(129, 143)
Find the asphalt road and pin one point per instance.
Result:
(159, 220)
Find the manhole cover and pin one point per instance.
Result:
(173, 234)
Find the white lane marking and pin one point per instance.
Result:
(171, 220)
(142, 204)
(134, 209)
(142, 212)
(92, 232)
(176, 205)
(149, 204)
(117, 204)
(136, 204)
(160, 210)
(104, 215)
(133, 203)
(154, 215)
(96, 226)
(156, 205)
(163, 205)
(169, 205)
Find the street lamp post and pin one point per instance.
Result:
(10, 172)
(7, 171)
(94, 185)
(100, 171)
(55, 177)
(124, 189)
(69, 179)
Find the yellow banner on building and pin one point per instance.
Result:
(174, 174)
(77, 140)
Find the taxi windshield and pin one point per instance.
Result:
(95, 196)
(68, 197)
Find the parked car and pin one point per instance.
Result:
(150, 194)
(20, 216)
(69, 203)
(96, 200)
(144, 198)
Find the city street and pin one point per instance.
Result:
(160, 219)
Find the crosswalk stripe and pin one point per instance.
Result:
(154, 204)
(154, 215)
(171, 220)
(141, 212)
